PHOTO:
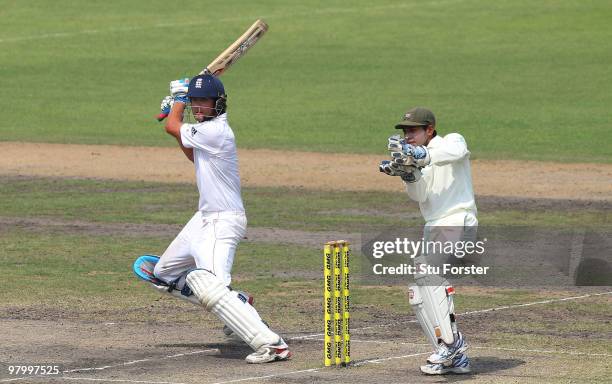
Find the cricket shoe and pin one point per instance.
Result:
(446, 353)
(459, 365)
(270, 352)
(245, 297)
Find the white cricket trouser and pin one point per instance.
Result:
(208, 241)
(461, 226)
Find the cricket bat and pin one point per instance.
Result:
(234, 52)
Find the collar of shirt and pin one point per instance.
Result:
(219, 119)
(434, 142)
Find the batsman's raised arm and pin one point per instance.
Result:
(178, 95)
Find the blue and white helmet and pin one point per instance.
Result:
(208, 87)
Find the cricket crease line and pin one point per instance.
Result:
(269, 376)
(119, 380)
(544, 351)
(219, 382)
(115, 366)
(254, 378)
(378, 361)
(323, 370)
(141, 360)
(551, 351)
(305, 337)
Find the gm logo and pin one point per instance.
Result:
(242, 298)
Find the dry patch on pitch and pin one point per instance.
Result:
(261, 167)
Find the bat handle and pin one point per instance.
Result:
(161, 116)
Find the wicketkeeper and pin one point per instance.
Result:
(197, 265)
(436, 172)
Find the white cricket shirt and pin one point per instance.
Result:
(216, 164)
(445, 187)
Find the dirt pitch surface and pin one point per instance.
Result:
(300, 169)
(385, 349)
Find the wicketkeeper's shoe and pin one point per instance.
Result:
(459, 365)
(446, 353)
(269, 353)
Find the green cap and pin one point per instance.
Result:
(417, 117)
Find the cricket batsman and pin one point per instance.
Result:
(197, 265)
(436, 173)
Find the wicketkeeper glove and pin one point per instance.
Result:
(407, 154)
(408, 173)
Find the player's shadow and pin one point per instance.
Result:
(228, 350)
(485, 365)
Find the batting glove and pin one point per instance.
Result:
(166, 105)
(178, 90)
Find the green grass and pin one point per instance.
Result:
(90, 265)
(61, 268)
(520, 79)
(60, 272)
(158, 203)
(87, 276)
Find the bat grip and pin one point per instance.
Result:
(161, 116)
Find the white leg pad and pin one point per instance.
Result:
(241, 317)
(434, 309)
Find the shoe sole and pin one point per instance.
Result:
(285, 355)
(451, 357)
(444, 371)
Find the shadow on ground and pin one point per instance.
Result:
(486, 365)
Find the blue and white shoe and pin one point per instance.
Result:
(459, 365)
(446, 353)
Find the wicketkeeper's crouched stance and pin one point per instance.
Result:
(197, 265)
(436, 171)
